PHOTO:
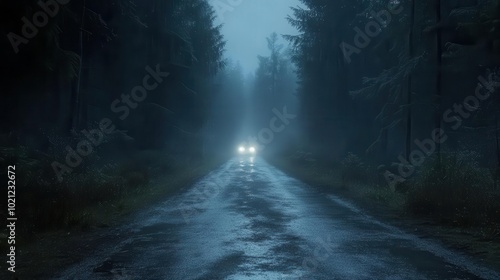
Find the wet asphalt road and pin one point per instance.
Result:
(248, 220)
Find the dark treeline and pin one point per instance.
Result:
(412, 62)
(273, 89)
(98, 97)
(229, 110)
(394, 85)
(81, 65)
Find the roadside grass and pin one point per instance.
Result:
(348, 178)
(457, 191)
(97, 195)
(455, 200)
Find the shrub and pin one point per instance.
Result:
(455, 190)
(353, 169)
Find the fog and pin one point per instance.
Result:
(247, 40)
(246, 25)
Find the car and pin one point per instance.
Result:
(247, 150)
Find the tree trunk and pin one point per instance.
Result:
(497, 139)
(409, 89)
(439, 86)
(77, 113)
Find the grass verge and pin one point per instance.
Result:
(58, 220)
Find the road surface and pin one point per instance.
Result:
(248, 220)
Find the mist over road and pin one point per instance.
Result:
(248, 220)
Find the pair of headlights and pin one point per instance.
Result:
(244, 150)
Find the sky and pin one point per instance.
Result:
(247, 23)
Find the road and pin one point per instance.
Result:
(248, 220)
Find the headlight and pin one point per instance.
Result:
(241, 149)
(252, 150)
